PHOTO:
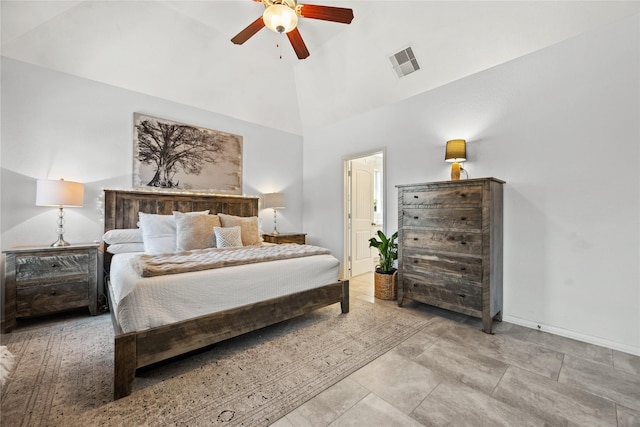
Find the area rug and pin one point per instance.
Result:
(63, 371)
(6, 363)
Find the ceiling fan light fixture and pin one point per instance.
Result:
(280, 18)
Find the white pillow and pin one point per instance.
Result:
(250, 230)
(195, 231)
(228, 237)
(159, 232)
(123, 235)
(123, 248)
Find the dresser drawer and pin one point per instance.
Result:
(40, 298)
(443, 240)
(39, 267)
(446, 266)
(435, 291)
(456, 218)
(449, 196)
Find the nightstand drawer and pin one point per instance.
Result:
(298, 238)
(41, 298)
(291, 239)
(39, 267)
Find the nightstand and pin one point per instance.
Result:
(41, 280)
(285, 238)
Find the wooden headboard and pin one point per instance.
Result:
(121, 207)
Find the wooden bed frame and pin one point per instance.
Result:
(137, 349)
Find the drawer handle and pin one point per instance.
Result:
(415, 238)
(415, 261)
(463, 218)
(463, 195)
(415, 217)
(53, 292)
(463, 243)
(461, 295)
(415, 197)
(463, 268)
(54, 265)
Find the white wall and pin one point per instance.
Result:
(58, 126)
(561, 127)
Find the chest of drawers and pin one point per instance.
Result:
(44, 280)
(450, 246)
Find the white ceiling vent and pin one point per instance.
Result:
(404, 62)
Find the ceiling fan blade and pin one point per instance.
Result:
(326, 13)
(298, 44)
(248, 32)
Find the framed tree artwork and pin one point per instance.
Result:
(178, 156)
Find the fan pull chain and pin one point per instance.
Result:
(279, 46)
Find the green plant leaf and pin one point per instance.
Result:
(387, 249)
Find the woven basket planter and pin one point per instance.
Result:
(385, 285)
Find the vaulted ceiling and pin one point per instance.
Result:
(181, 50)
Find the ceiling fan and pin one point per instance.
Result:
(281, 16)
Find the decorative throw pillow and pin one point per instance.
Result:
(195, 231)
(159, 232)
(228, 237)
(123, 235)
(249, 227)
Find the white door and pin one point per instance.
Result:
(361, 217)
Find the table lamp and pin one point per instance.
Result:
(274, 201)
(456, 152)
(59, 193)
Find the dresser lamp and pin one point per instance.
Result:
(274, 201)
(456, 152)
(59, 193)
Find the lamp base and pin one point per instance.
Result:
(60, 242)
(275, 223)
(455, 171)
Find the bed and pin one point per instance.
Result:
(141, 344)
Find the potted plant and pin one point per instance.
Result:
(385, 275)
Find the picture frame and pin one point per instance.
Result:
(171, 155)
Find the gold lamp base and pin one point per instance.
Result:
(455, 171)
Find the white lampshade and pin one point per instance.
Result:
(59, 193)
(280, 18)
(274, 200)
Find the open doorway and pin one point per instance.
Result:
(364, 212)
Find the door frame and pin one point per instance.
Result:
(346, 189)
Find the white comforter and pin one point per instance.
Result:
(142, 303)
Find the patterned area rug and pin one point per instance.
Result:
(63, 371)
(6, 364)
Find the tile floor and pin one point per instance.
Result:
(452, 374)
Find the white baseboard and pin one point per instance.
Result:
(574, 335)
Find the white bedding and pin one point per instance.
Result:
(142, 303)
